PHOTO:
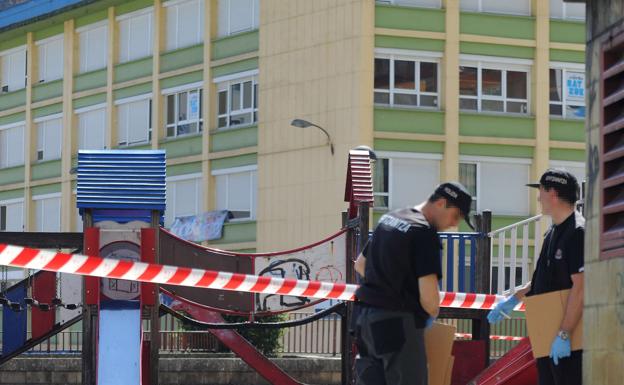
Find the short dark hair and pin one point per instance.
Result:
(566, 196)
(436, 197)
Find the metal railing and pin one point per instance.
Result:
(458, 258)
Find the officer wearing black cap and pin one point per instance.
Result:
(559, 267)
(399, 295)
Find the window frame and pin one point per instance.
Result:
(224, 83)
(44, 197)
(252, 196)
(198, 187)
(88, 29)
(42, 148)
(417, 57)
(169, 6)
(497, 64)
(149, 11)
(187, 88)
(126, 101)
(77, 112)
(565, 67)
(6, 127)
(10, 202)
(42, 50)
(6, 55)
(480, 9)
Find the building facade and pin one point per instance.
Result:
(486, 92)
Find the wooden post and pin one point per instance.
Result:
(481, 326)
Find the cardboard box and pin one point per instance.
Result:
(449, 371)
(544, 313)
(439, 344)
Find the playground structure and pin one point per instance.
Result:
(123, 223)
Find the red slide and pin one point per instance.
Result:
(230, 338)
(517, 367)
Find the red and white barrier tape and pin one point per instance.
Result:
(495, 338)
(17, 256)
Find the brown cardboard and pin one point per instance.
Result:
(439, 344)
(449, 371)
(544, 313)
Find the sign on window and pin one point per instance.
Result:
(575, 86)
(193, 106)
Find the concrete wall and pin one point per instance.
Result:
(175, 370)
(604, 280)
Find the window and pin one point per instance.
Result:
(49, 137)
(92, 128)
(515, 7)
(13, 75)
(185, 23)
(237, 191)
(487, 88)
(50, 54)
(12, 145)
(48, 212)
(401, 81)
(414, 3)
(93, 41)
(237, 102)
(12, 215)
(404, 179)
(135, 35)
(564, 10)
(237, 16)
(499, 184)
(134, 120)
(184, 194)
(567, 93)
(184, 112)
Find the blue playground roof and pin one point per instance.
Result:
(34, 10)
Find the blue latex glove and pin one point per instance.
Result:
(429, 322)
(560, 349)
(505, 307)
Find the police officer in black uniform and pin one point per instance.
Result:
(559, 267)
(399, 296)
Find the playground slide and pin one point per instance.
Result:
(230, 338)
(517, 367)
(119, 346)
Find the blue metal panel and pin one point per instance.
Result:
(14, 323)
(35, 9)
(461, 267)
(121, 179)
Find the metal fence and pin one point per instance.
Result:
(458, 258)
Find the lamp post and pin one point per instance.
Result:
(304, 124)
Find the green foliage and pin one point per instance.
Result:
(265, 340)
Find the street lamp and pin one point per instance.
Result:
(304, 124)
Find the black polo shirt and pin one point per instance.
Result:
(560, 257)
(404, 247)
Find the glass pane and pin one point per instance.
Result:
(555, 85)
(247, 94)
(170, 131)
(468, 177)
(182, 104)
(235, 103)
(517, 107)
(404, 74)
(222, 122)
(382, 97)
(491, 82)
(381, 174)
(171, 109)
(381, 201)
(492, 105)
(255, 96)
(516, 85)
(222, 102)
(187, 128)
(240, 119)
(468, 104)
(556, 109)
(428, 77)
(468, 81)
(428, 101)
(577, 112)
(405, 99)
(201, 103)
(382, 74)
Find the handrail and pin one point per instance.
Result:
(517, 224)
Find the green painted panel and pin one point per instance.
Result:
(48, 90)
(11, 194)
(48, 110)
(234, 161)
(567, 31)
(507, 151)
(12, 99)
(89, 80)
(184, 169)
(11, 175)
(48, 32)
(185, 146)
(234, 138)
(382, 41)
(496, 50)
(127, 92)
(46, 189)
(43, 170)
(232, 68)
(567, 56)
(568, 154)
(237, 232)
(179, 80)
(235, 45)
(409, 146)
(19, 117)
(572, 130)
(420, 19)
(91, 18)
(498, 126)
(516, 27)
(130, 6)
(12, 43)
(89, 100)
(408, 120)
(133, 70)
(182, 58)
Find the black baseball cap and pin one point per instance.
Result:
(457, 195)
(562, 181)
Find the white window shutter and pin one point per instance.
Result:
(223, 24)
(172, 27)
(186, 197)
(241, 16)
(124, 40)
(122, 124)
(138, 121)
(14, 146)
(222, 190)
(55, 59)
(413, 181)
(15, 217)
(239, 191)
(16, 74)
(52, 137)
(188, 24)
(502, 183)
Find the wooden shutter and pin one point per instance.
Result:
(612, 149)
